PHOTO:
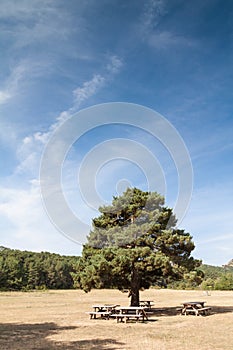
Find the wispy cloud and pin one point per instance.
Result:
(153, 11)
(23, 10)
(29, 153)
(17, 203)
(20, 77)
(34, 22)
(30, 148)
(10, 88)
(164, 40)
(220, 238)
(92, 86)
(39, 35)
(88, 89)
(114, 65)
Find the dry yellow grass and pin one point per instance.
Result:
(57, 320)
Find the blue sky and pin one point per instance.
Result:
(60, 57)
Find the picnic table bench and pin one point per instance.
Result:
(130, 313)
(121, 317)
(102, 314)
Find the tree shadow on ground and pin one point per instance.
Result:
(165, 311)
(221, 309)
(173, 311)
(35, 336)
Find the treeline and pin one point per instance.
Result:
(214, 278)
(217, 278)
(24, 270)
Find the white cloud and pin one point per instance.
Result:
(34, 22)
(219, 238)
(165, 40)
(35, 26)
(88, 89)
(26, 225)
(114, 65)
(30, 28)
(4, 96)
(20, 77)
(92, 86)
(8, 134)
(29, 153)
(11, 85)
(19, 205)
(153, 11)
(23, 9)
(31, 147)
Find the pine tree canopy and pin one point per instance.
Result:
(134, 244)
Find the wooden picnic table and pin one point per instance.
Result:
(102, 310)
(130, 313)
(194, 307)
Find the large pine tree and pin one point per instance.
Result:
(134, 244)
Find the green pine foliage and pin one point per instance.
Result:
(23, 270)
(134, 244)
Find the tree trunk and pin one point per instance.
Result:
(134, 289)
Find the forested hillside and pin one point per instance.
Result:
(23, 270)
(218, 278)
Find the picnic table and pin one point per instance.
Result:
(195, 307)
(102, 310)
(130, 313)
(147, 303)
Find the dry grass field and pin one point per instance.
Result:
(57, 320)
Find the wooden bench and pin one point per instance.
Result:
(102, 314)
(121, 317)
(197, 312)
(190, 311)
(204, 310)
